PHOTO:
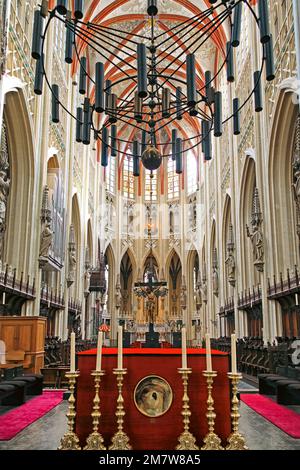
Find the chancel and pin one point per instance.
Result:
(149, 226)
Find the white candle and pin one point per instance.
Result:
(183, 344)
(233, 354)
(297, 299)
(208, 353)
(72, 353)
(99, 351)
(4, 298)
(120, 347)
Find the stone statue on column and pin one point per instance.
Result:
(72, 261)
(87, 273)
(198, 293)
(4, 186)
(215, 273)
(230, 260)
(256, 234)
(47, 233)
(204, 284)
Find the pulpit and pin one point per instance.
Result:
(152, 393)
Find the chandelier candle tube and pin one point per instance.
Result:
(174, 138)
(44, 8)
(120, 347)
(166, 101)
(112, 108)
(144, 142)
(237, 24)
(257, 92)
(178, 103)
(61, 6)
(269, 57)
(82, 76)
(183, 345)
(86, 134)
(152, 8)
(78, 11)
(69, 44)
(39, 76)
(55, 104)
(136, 158)
(191, 80)
(36, 49)
(218, 131)
(104, 147)
(236, 117)
(79, 117)
(113, 141)
(99, 351)
(264, 24)
(99, 87)
(178, 155)
(72, 353)
(208, 353)
(233, 354)
(207, 83)
(229, 63)
(107, 92)
(138, 107)
(142, 70)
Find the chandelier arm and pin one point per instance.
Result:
(98, 26)
(82, 35)
(92, 27)
(213, 26)
(190, 25)
(194, 18)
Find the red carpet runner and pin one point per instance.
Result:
(285, 419)
(14, 421)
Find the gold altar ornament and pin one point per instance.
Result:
(120, 440)
(70, 440)
(186, 439)
(236, 440)
(211, 440)
(95, 440)
(153, 396)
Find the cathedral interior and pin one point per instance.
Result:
(167, 219)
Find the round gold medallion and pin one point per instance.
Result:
(153, 396)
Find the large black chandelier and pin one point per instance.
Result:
(150, 98)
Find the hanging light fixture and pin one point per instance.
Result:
(148, 97)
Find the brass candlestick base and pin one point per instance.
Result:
(211, 440)
(95, 440)
(120, 441)
(236, 441)
(70, 441)
(186, 440)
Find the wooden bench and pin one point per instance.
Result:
(18, 356)
(55, 376)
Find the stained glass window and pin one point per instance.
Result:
(111, 175)
(128, 178)
(191, 173)
(173, 180)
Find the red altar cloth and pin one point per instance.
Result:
(146, 433)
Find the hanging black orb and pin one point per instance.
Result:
(151, 158)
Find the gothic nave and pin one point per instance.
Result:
(150, 224)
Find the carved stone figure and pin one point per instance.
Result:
(296, 171)
(230, 264)
(256, 238)
(46, 240)
(4, 185)
(215, 273)
(256, 235)
(87, 278)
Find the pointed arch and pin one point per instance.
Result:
(19, 244)
(281, 180)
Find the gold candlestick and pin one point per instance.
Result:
(211, 440)
(95, 440)
(236, 441)
(186, 440)
(120, 440)
(70, 441)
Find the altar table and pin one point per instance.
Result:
(152, 433)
